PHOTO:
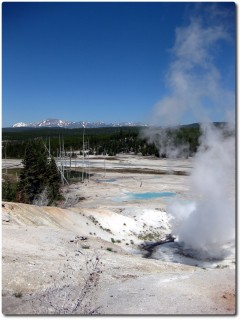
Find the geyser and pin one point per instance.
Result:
(196, 91)
(206, 227)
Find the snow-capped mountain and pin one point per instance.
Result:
(51, 123)
(20, 124)
(73, 124)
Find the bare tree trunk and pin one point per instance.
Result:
(149, 247)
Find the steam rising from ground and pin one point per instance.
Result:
(164, 139)
(206, 226)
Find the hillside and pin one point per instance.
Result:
(43, 254)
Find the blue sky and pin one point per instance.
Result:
(117, 62)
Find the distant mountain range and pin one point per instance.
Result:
(57, 123)
(53, 123)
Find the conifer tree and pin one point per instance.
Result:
(54, 182)
(8, 191)
(38, 175)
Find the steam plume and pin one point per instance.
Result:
(193, 79)
(207, 225)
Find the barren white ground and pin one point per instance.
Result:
(39, 245)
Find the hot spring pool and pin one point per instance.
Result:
(144, 196)
(106, 180)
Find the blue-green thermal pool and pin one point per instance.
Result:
(144, 196)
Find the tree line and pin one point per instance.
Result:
(99, 141)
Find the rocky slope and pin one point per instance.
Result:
(61, 261)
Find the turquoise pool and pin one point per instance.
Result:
(145, 196)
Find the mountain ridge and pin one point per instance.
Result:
(74, 124)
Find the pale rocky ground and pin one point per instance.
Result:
(40, 249)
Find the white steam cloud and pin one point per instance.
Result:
(207, 225)
(193, 78)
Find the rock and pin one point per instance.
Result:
(6, 217)
(77, 238)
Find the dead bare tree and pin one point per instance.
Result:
(150, 246)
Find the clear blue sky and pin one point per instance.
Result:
(102, 61)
